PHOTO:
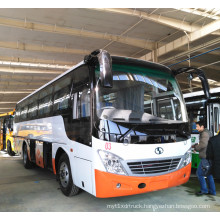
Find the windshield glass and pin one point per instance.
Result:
(140, 95)
(144, 106)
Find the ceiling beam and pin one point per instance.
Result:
(25, 86)
(7, 103)
(196, 35)
(21, 82)
(204, 14)
(41, 48)
(15, 98)
(190, 51)
(174, 23)
(157, 18)
(201, 48)
(32, 60)
(200, 65)
(34, 65)
(25, 79)
(74, 32)
(28, 70)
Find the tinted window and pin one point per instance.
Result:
(62, 94)
(61, 99)
(32, 107)
(32, 110)
(23, 115)
(62, 83)
(45, 106)
(17, 113)
(45, 101)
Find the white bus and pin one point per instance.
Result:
(112, 126)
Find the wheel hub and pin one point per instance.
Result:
(64, 174)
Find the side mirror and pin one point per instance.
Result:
(105, 64)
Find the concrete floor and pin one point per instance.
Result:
(37, 190)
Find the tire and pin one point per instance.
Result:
(65, 177)
(27, 163)
(9, 150)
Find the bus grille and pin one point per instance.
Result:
(151, 167)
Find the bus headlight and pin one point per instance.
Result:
(186, 158)
(112, 162)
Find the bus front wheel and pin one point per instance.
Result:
(65, 177)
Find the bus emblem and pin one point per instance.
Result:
(159, 150)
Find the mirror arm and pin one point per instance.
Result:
(92, 58)
(200, 73)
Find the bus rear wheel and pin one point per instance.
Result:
(27, 163)
(9, 150)
(65, 177)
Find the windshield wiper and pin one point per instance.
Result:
(126, 133)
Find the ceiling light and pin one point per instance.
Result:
(34, 65)
(13, 92)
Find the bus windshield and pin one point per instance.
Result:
(140, 95)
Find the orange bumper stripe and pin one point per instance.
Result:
(106, 182)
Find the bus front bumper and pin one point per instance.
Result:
(113, 185)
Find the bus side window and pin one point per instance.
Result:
(17, 114)
(62, 95)
(45, 102)
(44, 106)
(61, 99)
(24, 113)
(32, 110)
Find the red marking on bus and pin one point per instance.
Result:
(108, 146)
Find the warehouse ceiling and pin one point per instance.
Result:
(36, 45)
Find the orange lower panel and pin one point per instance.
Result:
(106, 182)
(54, 166)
